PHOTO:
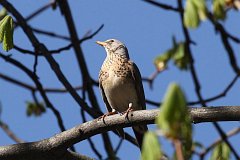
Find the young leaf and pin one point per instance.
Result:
(174, 120)
(162, 60)
(180, 56)
(151, 147)
(219, 9)
(3, 13)
(221, 152)
(6, 32)
(201, 8)
(35, 109)
(195, 11)
(191, 17)
(177, 54)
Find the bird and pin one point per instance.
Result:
(120, 84)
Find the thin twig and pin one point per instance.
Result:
(51, 34)
(17, 82)
(151, 78)
(67, 47)
(38, 11)
(54, 65)
(224, 37)
(178, 147)
(219, 140)
(118, 146)
(24, 51)
(10, 133)
(57, 51)
(161, 5)
(220, 95)
(33, 88)
(38, 85)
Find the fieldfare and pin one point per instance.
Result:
(121, 84)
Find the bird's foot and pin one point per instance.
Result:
(106, 114)
(127, 111)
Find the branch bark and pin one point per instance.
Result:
(56, 147)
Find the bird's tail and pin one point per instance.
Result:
(139, 132)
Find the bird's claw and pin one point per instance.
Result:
(106, 114)
(127, 111)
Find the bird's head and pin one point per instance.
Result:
(113, 46)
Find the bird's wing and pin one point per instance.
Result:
(138, 83)
(109, 108)
(141, 129)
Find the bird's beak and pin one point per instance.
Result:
(101, 43)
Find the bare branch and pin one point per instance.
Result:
(161, 5)
(10, 133)
(86, 79)
(224, 37)
(33, 88)
(67, 47)
(151, 78)
(38, 11)
(54, 65)
(34, 77)
(218, 96)
(219, 140)
(51, 34)
(57, 145)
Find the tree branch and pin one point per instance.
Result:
(51, 34)
(219, 140)
(161, 5)
(40, 47)
(10, 134)
(57, 145)
(33, 88)
(35, 79)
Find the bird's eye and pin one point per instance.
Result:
(111, 41)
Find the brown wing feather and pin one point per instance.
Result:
(105, 98)
(138, 84)
(141, 129)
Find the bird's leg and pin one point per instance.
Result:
(128, 110)
(107, 114)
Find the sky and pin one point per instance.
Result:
(147, 31)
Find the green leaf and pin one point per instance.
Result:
(191, 18)
(6, 32)
(162, 60)
(178, 54)
(35, 109)
(180, 57)
(151, 147)
(3, 13)
(201, 8)
(195, 11)
(174, 120)
(219, 11)
(221, 152)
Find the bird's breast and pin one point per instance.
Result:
(120, 91)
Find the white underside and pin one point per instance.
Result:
(120, 94)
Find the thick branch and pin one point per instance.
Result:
(58, 144)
